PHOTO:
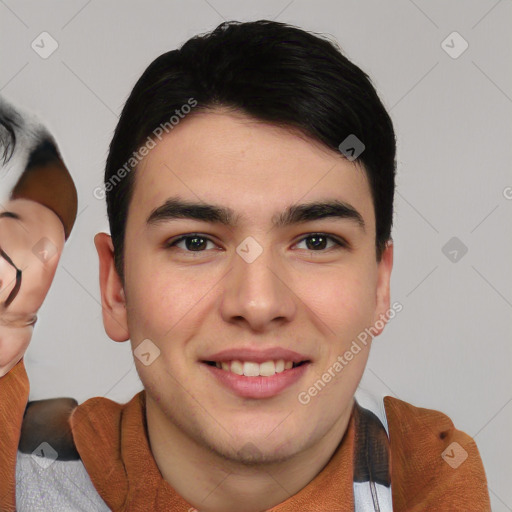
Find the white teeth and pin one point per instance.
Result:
(253, 369)
(237, 367)
(267, 368)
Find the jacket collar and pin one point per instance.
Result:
(113, 443)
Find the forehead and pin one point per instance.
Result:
(255, 168)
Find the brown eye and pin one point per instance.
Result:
(193, 242)
(317, 242)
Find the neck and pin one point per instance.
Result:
(211, 483)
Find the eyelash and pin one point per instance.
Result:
(340, 243)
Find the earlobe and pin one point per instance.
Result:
(113, 301)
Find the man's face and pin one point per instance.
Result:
(252, 286)
(32, 237)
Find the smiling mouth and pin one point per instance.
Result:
(253, 369)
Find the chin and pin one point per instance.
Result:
(257, 447)
(257, 453)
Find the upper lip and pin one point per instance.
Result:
(257, 355)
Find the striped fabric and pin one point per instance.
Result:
(372, 477)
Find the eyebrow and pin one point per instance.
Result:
(9, 215)
(176, 208)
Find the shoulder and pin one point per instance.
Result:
(436, 429)
(44, 482)
(49, 472)
(433, 461)
(54, 421)
(47, 421)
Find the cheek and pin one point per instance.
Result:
(163, 305)
(344, 299)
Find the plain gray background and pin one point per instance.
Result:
(450, 348)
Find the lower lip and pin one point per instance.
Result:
(258, 387)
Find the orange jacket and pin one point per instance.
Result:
(113, 445)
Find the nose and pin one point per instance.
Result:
(258, 292)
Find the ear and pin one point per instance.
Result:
(113, 302)
(383, 288)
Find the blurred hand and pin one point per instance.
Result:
(34, 244)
